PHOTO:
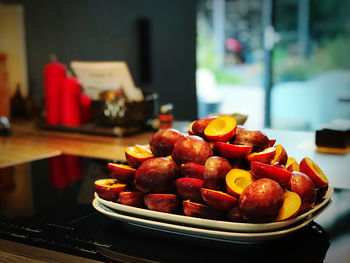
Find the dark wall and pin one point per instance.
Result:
(108, 30)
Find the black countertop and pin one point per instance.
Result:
(47, 204)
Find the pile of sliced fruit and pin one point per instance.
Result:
(216, 170)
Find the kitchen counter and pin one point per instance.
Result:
(28, 143)
(47, 215)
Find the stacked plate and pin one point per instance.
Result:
(206, 228)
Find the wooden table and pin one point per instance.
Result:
(28, 143)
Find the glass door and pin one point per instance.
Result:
(311, 64)
(232, 60)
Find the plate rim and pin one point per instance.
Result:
(237, 237)
(209, 223)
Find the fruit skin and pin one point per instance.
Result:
(162, 141)
(156, 175)
(237, 180)
(257, 139)
(263, 170)
(234, 215)
(121, 172)
(192, 149)
(222, 129)
(199, 210)
(290, 207)
(301, 184)
(265, 156)
(311, 169)
(199, 126)
(131, 198)
(281, 155)
(108, 189)
(261, 201)
(193, 170)
(272, 142)
(190, 130)
(218, 200)
(293, 167)
(215, 170)
(166, 203)
(135, 155)
(190, 188)
(321, 193)
(231, 151)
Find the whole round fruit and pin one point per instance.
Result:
(215, 170)
(156, 175)
(261, 201)
(192, 149)
(162, 141)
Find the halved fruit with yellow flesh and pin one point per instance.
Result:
(310, 168)
(290, 207)
(218, 200)
(237, 180)
(135, 155)
(221, 129)
(232, 151)
(265, 156)
(121, 172)
(281, 156)
(108, 189)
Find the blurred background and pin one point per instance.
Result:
(284, 63)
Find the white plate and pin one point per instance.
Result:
(236, 237)
(208, 223)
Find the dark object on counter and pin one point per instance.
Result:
(5, 127)
(120, 112)
(334, 137)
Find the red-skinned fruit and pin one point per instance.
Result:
(292, 164)
(193, 170)
(265, 156)
(234, 214)
(199, 126)
(321, 193)
(135, 155)
(162, 141)
(156, 175)
(108, 189)
(190, 130)
(301, 184)
(191, 149)
(281, 155)
(221, 129)
(190, 188)
(272, 142)
(121, 172)
(261, 201)
(263, 170)
(218, 200)
(134, 198)
(199, 210)
(257, 139)
(232, 151)
(215, 170)
(166, 203)
(293, 167)
(311, 169)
